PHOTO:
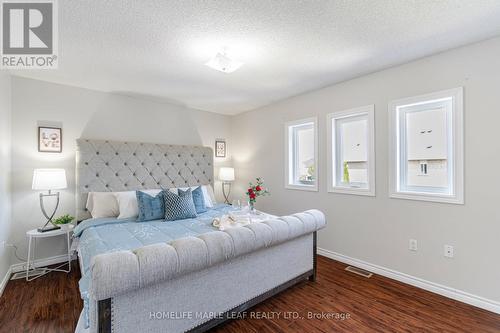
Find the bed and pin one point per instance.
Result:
(183, 275)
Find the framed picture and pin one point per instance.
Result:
(220, 148)
(49, 139)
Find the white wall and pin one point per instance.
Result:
(5, 125)
(89, 114)
(377, 229)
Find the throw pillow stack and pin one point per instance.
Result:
(148, 205)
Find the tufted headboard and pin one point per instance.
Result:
(128, 166)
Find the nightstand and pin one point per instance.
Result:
(33, 236)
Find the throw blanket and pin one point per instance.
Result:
(239, 219)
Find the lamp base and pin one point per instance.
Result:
(226, 195)
(48, 228)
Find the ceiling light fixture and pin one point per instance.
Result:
(223, 63)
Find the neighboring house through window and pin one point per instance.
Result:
(427, 147)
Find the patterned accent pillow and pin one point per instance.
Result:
(150, 207)
(179, 206)
(199, 200)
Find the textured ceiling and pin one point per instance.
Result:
(157, 48)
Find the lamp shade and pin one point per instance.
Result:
(226, 174)
(49, 179)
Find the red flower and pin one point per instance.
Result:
(252, 195)
(258, 188)
(250, 190)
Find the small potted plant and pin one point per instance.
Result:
(63, 222)
(254, 191)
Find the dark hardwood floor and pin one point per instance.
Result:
(354, 304)
(50, 303)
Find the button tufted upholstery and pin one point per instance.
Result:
(114, 166)
(114, 273)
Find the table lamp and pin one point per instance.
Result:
(49, 180)
(226, 175)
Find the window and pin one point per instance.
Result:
(427, 147)
(301, 139)
(351, 151)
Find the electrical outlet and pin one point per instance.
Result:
(448, 251)
(413, 245)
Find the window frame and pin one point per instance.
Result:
(288, 173)
(456, 140)
(332, 152)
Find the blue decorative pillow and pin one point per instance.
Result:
(150, 208)
(199, 200)
(179, 206)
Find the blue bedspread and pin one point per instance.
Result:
(110, 234)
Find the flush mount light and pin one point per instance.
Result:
(223, 63)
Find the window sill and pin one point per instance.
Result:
(440, 198)
(352, 191)
(311, 188)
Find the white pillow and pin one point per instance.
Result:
(102, 204)
(208, 193)
(127, 203)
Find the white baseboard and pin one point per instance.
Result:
(41, 262)
(5, 279)
(37, 263)
(452, 293)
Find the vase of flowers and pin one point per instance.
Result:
(254, 191)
